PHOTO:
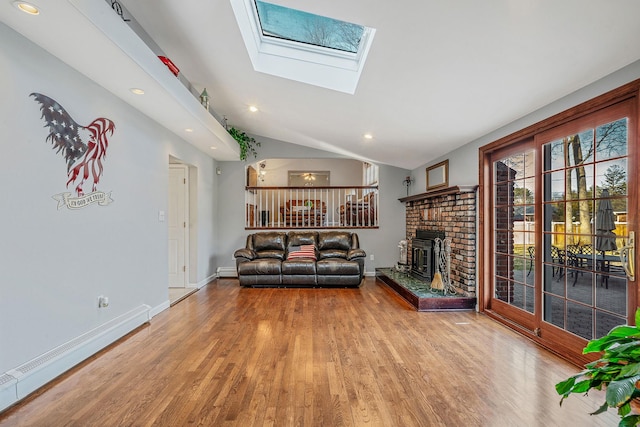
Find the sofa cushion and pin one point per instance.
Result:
(279, 255)
(337, 266)
(332, 253)
(270, 241)
(264, 266)
(299, 238)
(306, 266)
(334, 240)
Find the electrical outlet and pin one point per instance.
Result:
(372, 257)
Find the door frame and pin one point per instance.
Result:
(630, 91)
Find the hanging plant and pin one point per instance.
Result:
(247, 144)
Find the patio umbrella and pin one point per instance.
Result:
(605, 224)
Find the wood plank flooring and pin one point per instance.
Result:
(229, 356)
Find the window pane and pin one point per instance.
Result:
(529, 298)
(580, 148)
(580, 320)
(581, 216)
(520, 192)
(554, 215)
(503, 289)
(554, 310)
(554, 155)
(612, 175)
(611, 140)
(518, 296)
(503, 193)
(580, 182)
(295, 25)
(580, 287)
(553, 281)
(554, 185)
(605, 322)
(612, 298)
(516, 165)
(529, 164)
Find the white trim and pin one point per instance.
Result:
(159, 309)
(23, 380)
(370, 273)
(227, 272)
(204, 282)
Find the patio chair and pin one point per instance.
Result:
(557, 257)
(532, 257)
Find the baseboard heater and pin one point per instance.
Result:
(23, 380)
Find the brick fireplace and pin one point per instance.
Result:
(452, 211)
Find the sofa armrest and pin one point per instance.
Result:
(356, 253)
(245, 253)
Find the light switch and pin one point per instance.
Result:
(161, 216)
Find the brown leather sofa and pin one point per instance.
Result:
(268, 260)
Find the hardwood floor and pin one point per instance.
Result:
(229, 356)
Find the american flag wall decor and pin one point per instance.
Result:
(84, 149)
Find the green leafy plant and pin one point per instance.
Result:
(618, 371)
(247, 143)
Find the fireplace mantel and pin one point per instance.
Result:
(456, 189)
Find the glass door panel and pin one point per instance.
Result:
(585, 203)
(514, 230)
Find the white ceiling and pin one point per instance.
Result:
(439, 74)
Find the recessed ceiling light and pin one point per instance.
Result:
(188, 130)
(253, 108)
(213, 148)
(368, 136)
(137, 91)
(27, 7)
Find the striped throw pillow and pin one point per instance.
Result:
(305, 251)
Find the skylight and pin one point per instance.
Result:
(301, 46)
(298, 26)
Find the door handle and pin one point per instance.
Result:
(628, 255)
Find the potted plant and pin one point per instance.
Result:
(247, 143)
(618, 371)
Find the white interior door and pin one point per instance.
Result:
(177, 226)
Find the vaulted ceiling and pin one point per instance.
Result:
(439, 73)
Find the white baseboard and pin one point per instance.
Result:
(227, 272)
(153, 312)
(8, 393)
(23, 380)
(206, 281)
(370, 273)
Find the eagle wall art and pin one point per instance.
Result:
(83, 147)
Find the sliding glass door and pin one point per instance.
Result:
(561, 205)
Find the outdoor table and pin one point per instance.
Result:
(603, 262)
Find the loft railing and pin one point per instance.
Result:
(311, 207)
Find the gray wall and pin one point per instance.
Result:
(343, 172)
(56, 262)
(463, 162)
